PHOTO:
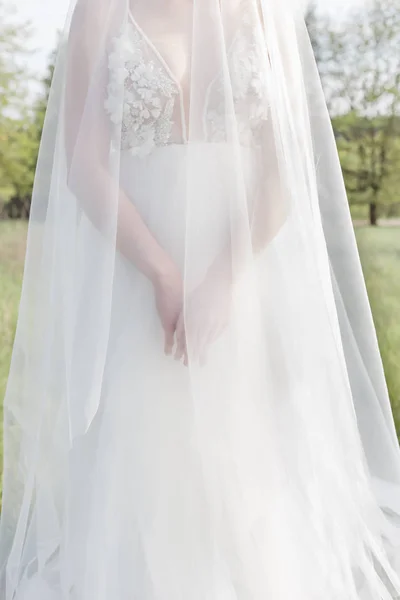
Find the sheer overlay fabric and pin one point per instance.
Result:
(189, 201)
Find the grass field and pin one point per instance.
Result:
(12, 253)
(380, 254)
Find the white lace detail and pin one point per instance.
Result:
(139, 76)
(248, 76)
(149, 95)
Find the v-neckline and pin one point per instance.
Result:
(167, 68)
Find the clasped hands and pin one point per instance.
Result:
(192, 323)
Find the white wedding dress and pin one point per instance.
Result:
(242, 476)
(147, 494)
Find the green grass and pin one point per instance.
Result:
(380, 257)
(12, 253)
(380, 254)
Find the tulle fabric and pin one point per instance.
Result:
(268, 467)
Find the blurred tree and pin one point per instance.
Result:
(21, 121)
(12, 38)
(18, 206)
(362, 83)
(16, 145)
(40, 105)
(315, 26)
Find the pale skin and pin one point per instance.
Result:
(134, 240)
(208, 306)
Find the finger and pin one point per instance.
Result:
(203, 356)
(212, 334)
(194, 346)
(207, 340)
(217, 331)
(169, 341)
(180, 350)
(185, 353)
(180, 340)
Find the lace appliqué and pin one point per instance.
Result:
(248, 73)
(149, 94)
(142, 94)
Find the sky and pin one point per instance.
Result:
(47, 16)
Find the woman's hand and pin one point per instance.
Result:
(207, 314)
(168, 290)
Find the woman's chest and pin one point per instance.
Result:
(168, 88)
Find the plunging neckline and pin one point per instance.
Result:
(168, 70)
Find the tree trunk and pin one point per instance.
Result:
(373, 214)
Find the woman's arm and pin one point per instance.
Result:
(88, 140)
(92, 176)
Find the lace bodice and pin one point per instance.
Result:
(152, 112)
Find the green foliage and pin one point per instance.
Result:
(16, 144)
(369, 150)
(318, 27)
(16, 149)
(12, 49)
(380, 256)
(360, 67)
(313, 26)
(362, 72)
(40, 106)
(21, 122)
(12, 252)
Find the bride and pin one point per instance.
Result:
(196, 407)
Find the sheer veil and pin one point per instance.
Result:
(225, 160)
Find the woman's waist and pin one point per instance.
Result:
(209, 152)
(219, 169)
